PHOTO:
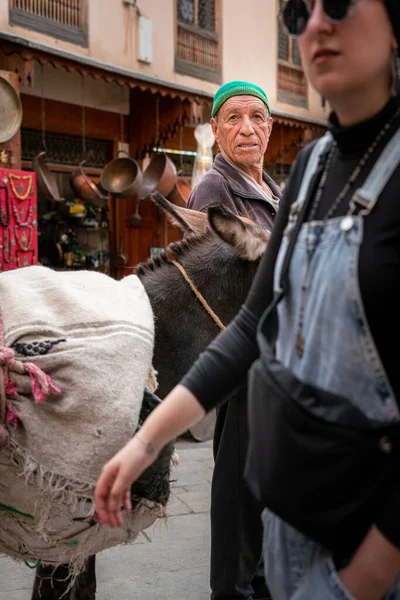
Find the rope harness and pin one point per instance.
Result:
(198, 295)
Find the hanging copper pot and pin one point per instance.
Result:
(83, 187)
(122, 177)
(160, 175)
(45, 178)
(180, 193)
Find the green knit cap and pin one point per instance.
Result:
(237, 88)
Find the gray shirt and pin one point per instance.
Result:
(224, 184)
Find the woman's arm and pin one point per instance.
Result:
(176, 414)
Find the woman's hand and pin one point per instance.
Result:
(113, 486)
(373, 568)
(176, 414)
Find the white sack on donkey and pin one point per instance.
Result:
(75, 354)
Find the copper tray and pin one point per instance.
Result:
(10, 110)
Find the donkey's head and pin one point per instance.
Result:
(220, 253)
(247, 238)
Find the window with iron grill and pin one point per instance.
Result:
(206, 15)
(283, 43)
(296, 58)
(288, 48)
(62, 149)
(62, 19)
(186, 11)
(197, 12)
(292, 85)
(197, 51)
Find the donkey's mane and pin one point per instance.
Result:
(174, 250)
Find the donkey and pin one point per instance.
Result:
(219, 255)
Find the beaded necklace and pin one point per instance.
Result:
(29, 219)
(17, 191)
(22, 242)
(310, 248)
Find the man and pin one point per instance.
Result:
(241, 122)
(242, 125)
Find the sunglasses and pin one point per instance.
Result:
(295, 13)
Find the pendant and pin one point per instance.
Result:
(300, 344)
(23, 239)
(347, 224)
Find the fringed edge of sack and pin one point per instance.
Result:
(76, 566)
(74, 494)
(77, 563)
(51, 487)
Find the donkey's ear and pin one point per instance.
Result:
(246, 237)
(190, 221)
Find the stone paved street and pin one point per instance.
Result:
(169, 561)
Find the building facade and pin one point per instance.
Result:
(101, 76)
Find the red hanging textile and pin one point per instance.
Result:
(18, 219)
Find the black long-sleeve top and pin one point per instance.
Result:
(224, 365)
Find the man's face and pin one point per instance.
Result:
(242, 129)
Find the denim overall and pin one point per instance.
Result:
(339, 356)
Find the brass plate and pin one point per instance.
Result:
(10, 110)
